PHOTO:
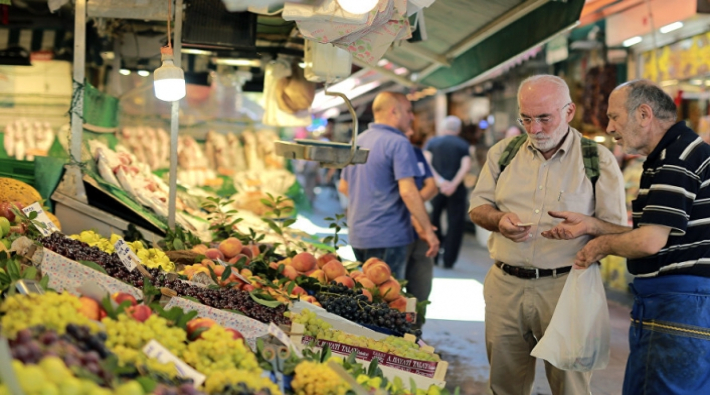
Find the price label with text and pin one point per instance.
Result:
(127, 256)
(41, 217)
(156, 350)
(276, 332)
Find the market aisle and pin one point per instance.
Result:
(455, 328)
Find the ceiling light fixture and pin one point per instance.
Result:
(124, 72)
(169, 80)
(358, 7)
(143, 73)
(194, 51)
(671, 27)
(632, 41)
(237, 62)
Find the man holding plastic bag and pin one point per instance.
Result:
(551, 167)
(667, 248)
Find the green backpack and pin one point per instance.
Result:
(590, 156)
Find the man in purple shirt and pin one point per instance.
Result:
(384, 201)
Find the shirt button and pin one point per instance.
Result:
(540, 187)
(537, 211)
(530, 234)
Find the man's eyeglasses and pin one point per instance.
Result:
(527, 121)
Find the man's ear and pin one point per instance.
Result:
(645, 113)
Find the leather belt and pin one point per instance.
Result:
(526, 273)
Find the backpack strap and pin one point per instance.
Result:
(511, 150)
(590, 156)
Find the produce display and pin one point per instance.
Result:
(149, 145)
(150, 257)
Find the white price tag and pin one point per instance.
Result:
(156, 350)
(129, 259)
(41, 218)
(276, 332)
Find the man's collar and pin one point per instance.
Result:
(385, 127)
(669, 137)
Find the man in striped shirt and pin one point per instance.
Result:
(667, 248)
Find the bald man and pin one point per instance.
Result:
(512, 201)
(384, 201)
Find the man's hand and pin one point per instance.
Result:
(509, 228)
(573, 226)
(419, 229)
(593, 252)
(447, 188)
(433, 241)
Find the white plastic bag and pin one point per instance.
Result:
(578, 335)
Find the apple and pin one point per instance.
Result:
(139, 312)
(197, 323)
(121, 297)
(236, 335)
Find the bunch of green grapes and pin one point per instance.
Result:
(216, 382)
(322, 330)
(127, 333)
(216, 350)
(51, 310)
(51, 376)
(312, 378)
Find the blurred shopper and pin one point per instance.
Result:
(450, 160)
(549, 166)
(384, 201)
(667, 248)
(420, 267)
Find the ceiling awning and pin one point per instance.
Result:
(469, 37)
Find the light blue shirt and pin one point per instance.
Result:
(377, 215)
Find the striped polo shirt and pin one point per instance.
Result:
(675, 192)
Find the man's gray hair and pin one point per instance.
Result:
(646, 92)
(451, 124)
(562, 86)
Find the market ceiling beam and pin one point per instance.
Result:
(487, 31)
(388, 74)
(441, 60)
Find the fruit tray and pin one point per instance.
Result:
(249, 328)
(423, 373)
(68, 275)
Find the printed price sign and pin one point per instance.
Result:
(129, 259)
(41, 217)
(156, 350)
(276, 332)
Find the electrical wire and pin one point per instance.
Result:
(170, 10)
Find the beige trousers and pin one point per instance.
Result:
(517, 313)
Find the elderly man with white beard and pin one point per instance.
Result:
(549, 168)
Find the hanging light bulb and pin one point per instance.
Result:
(358, 7)
(168, 79)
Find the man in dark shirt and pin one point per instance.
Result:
(667, 248)
(448, 155)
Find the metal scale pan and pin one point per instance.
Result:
(330, 155)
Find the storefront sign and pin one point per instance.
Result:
(681, 60)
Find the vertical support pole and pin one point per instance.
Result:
(72, 184)
(174, 118)
(440, 110)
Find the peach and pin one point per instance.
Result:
(200, 249)
(251, 250)
(389, 290)
(121, 297)
(325, 258)
(89, 308)
(304, 262)
(274, 265)
(237, 257)
(309, 298)
(345, 280)
(370, 262)
(334, 269)
(318, 275)
(195, 324)
(139, 313)
(218, 270)
(230, 247)
(400, 303)
(368, 294)
(208, 262)
(290, 272)
(365, 282)
(298, 291)
(355, 274)
(213, 253)
(236, 335)
(378, 273)
(246, 273)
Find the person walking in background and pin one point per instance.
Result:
(450, 160)
(420, 267)
(551, 166)
(384, 201)
(667, 248)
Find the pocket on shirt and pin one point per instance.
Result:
(575, 202)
